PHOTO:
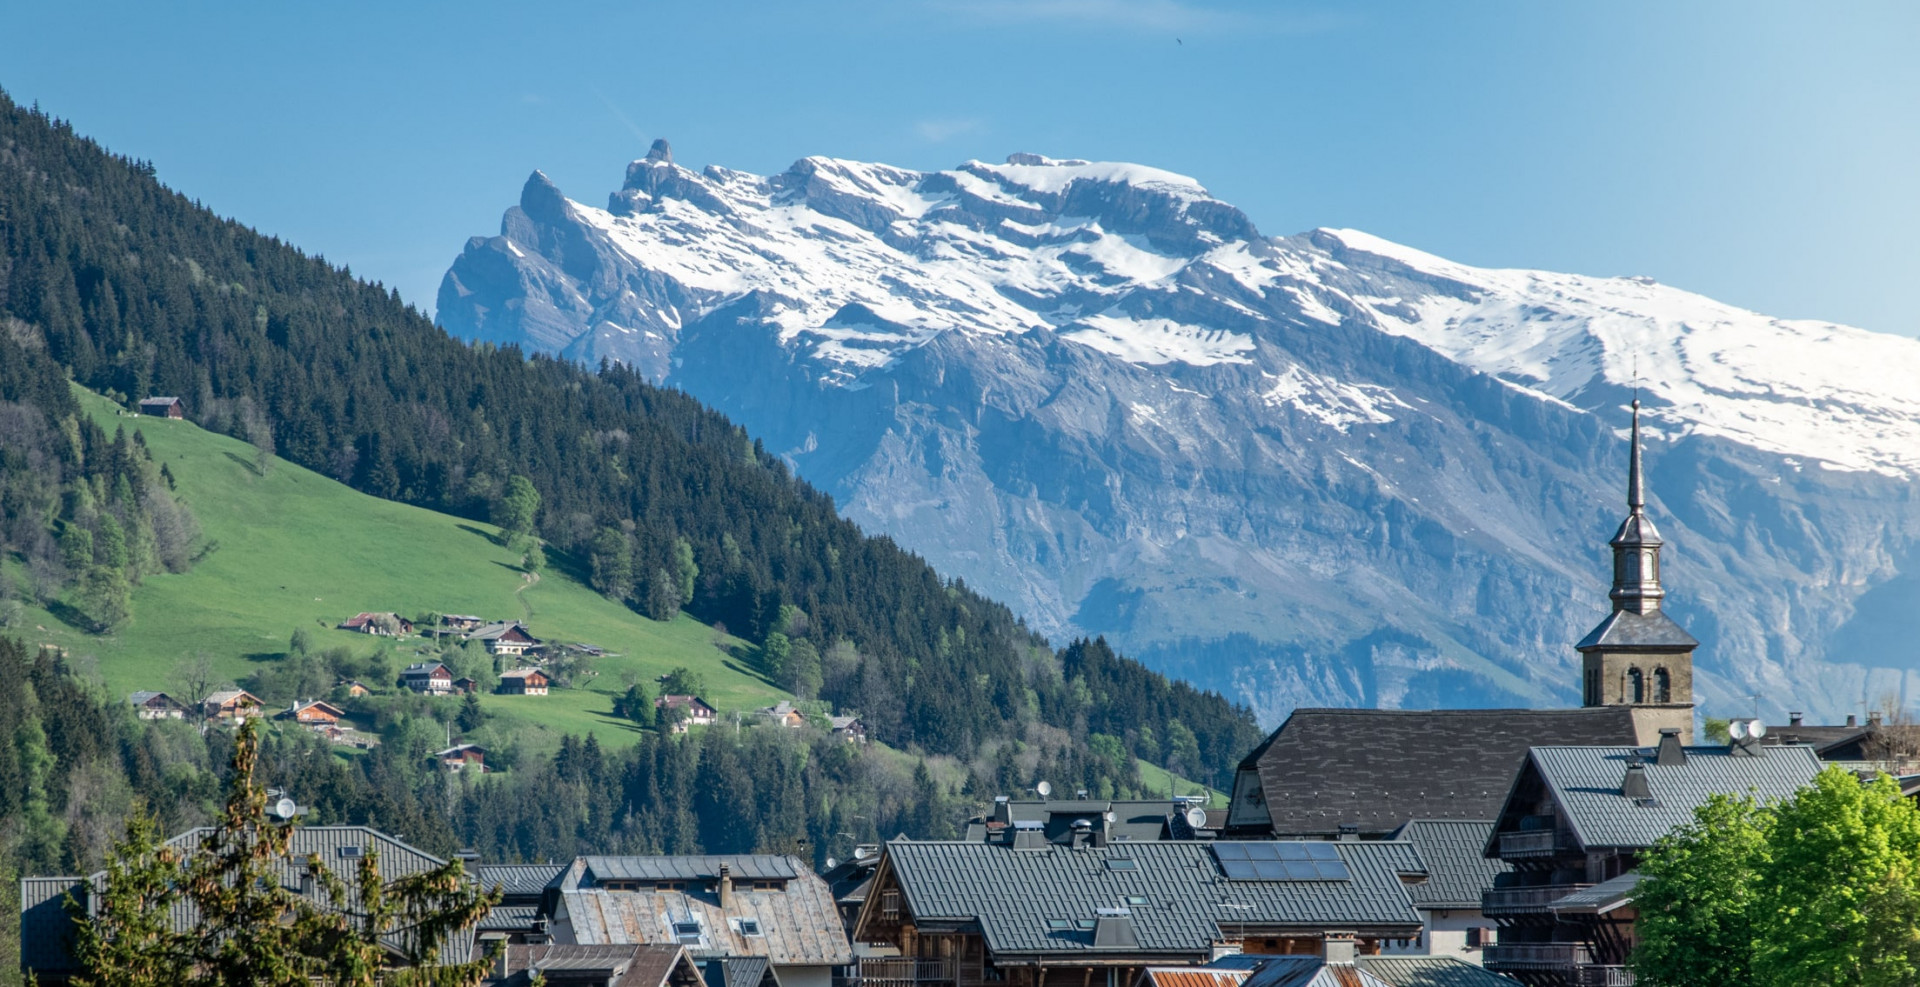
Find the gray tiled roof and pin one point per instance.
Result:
(509, 918)
(46, 927)
(1379, 768)
(737, 971)
(1430, 971)
(1457, 868)
(1626, 629)
(742, 866)
(799, 925)
(613, 966)
(1011, 894)
(1585, 781)
(1602, 897)
(518, 880)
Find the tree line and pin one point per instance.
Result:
(655, 500)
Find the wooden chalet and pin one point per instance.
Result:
(355, 689)
(462, 757)
(157, 706)
(460, 623)
(466, 684)
(231, 704)
(163, 407)
(431, 677)
(1024, 912)
(697, 712)
(524, 682)
(783, 714)
(504, 638)
(315, 712)
(384, 624)
(849, 729)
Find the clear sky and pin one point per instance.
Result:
(1764, 154)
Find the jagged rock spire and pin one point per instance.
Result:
(1636, 546)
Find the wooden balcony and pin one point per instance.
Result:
(1513, 901)
(902, 971)
(1536, 955)
(1530, 843)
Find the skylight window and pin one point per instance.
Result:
(1136, 899)
(688, 933)
(747, 926)
(1121, 863)
(1281, 862)
(1059, 923)
(1085, 924)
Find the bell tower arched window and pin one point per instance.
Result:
(1636, 686)
(1662, 686)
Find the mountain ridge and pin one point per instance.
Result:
(1294, 468)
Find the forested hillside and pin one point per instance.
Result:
(134, 290)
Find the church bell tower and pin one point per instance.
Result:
(1638, 657)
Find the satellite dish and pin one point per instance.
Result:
(1110, 816)
(1737, 729)
(832, 863)
(1756, 729)
(1044, 789)
(285, 808)
(1197, 817)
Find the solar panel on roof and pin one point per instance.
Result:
(1276, 861)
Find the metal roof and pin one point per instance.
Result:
(1373, 971)
(509, 918)
(747, 866)
(1011, 894)
(46, 928)
(738, 971)
(1378, 768)
(1601, 898)
(1457, 869)
(1430, 971)
(1191, 976)
(614, 966)
(518, 880)
(798, 925)
(1585, 782)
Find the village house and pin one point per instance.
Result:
(157, 706)
(719, 907)
(523, 682)
(231, 704)
(1104, 821)
(782, 714)
(462, 757)
(355, 689)
(1086, 913)
(431, 677)
(696, 712)
(519, 917)
(503, 638)
(466, 684)
(1458, 872)
(1573, 827)
(1341, 967)
(849, 728)
(46, 940)
(315, 712)
(163, 407)
(595, 966)
(460, 623)
(384, 624)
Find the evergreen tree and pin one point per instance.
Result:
(130, 941)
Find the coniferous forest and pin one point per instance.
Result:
(113, 281)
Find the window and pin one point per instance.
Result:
(1636, 686)
(890, 904)
(1662, 686)
(688, 933)
(1085, 924)
(747, 926)
(1059, 924)
(348, 852)
(1136, 899)
(769, 885)
(665, 886)
(1477, 937)
(1120, 863)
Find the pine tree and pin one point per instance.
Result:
(129, 942)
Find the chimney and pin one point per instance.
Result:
(1349, 832)
(1634, 785)
(726, 886)
(1852, 720)
(1002, 809)
(1082, 833)
(1113, 929)
(1873, 718)
(1671, 753)
(1339, 948)
(1793, 718)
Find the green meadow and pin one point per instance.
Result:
(292, 548)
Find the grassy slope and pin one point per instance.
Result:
(298, 549)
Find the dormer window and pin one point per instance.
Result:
(669, 886)
(747, 927)
(769, 885)
(687, 933)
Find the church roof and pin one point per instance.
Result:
(1626, 629)
(1378, 768)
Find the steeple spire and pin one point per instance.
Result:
(1636, 546)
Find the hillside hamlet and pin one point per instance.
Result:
(1386, 848)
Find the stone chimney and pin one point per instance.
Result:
(1852, 720)
(1794, 718)
(1339, 949)
(1873, 718)
(726, 886)
(1634, 784)
(1349, 832)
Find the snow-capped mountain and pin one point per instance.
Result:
(1322, 468)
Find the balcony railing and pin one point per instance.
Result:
(1597, 975)
(1537, 955)
(902, 971)
(1507, 901)
(1530, 843)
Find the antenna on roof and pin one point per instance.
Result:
(1045, 789)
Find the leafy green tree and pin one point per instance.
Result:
(519, 506)
(105, 598)
(685, 571)
(1696, 904)
(774, 652)
(683, 681)
(802, 675)
(635, 705)
(610, 564)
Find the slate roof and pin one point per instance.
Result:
(1626, 629)
(1457, 868)
(509, 918)
(1585, 782)
(1134, 819)
(1379, 768)
(799, 925)
(1430, 971)
(1368, 971)
(518, 880)
(1012, 894)
(604, 966)
(737, 971)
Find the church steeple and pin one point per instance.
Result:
(1638, 657)
(1636, 546)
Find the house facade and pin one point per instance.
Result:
(1086, 914)
(696, 711)
(431, 677)
(1574, 825)
(384, 624)
(462, 757)
(316, 713)
(524, 682)
(782, 714)
(163, 407)
(157, 706)
(1458, 873)
(504, 638)
(231, 704)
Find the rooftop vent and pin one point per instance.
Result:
(1794, 718)
(1349, 831)
(1029, 834)
(1634, 785)
(1670, 753)
(1082, 833)
(1113, 929)
(1339, 949)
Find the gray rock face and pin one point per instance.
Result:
(1319, 469)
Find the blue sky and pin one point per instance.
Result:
(1761, 153)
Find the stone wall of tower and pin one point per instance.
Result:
(1665, 687)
